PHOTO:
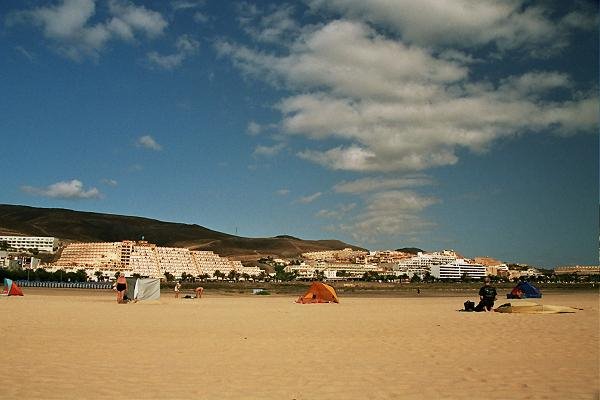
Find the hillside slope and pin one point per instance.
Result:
(81, 226)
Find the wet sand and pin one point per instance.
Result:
(80, 344)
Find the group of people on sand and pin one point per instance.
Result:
(121, 289)
(199, 290)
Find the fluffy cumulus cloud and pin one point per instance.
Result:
(394, 88)
(72, 27)
(148, 142)
(64, 190)
(507, 25)
(398, 107)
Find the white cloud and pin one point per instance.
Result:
(274, 24)
(375, 184)
(186, 46)
(309, 199)
(201, 18)
(109, 182)
(64, 190)
(389, 213)
(586, 19)
(283, 192)
(149, 22)
(148, 142)
(410, 110)
(460, 23)
(334, 55)
(69, 25)
(268, 151)
(187, 4)
(168, 62)
(339, 212)
(253, 128)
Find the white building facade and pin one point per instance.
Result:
(457, 269)
(47, 244)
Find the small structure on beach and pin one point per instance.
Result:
(141, 289)
(524, 290)
(319, 292)
(11, 288)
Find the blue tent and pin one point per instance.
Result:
(524, 290)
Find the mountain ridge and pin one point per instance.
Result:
(84, 226)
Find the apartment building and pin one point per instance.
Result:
(387, 256)
(456, 269)
(427, 260)
(145, 259)
(100, 256)
(47, 244)
(346, 254)
(332, 270)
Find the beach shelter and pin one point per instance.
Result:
(528, 307)
(319, 292)
(146, 289)
(143, 289)
(524, 290)
(11, 288)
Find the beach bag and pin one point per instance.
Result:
(469, 305)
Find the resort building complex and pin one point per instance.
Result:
(145, 259)
(46, 244)
(105, 259)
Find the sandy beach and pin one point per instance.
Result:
(70, 344)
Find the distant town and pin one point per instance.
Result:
(102, 261)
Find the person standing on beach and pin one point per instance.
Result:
(487, 296)
(199, 291)
(121, 288)
(177, 287)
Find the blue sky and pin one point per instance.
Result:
(385, 124)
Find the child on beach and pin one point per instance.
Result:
(176, 289)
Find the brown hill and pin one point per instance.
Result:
(70, 225)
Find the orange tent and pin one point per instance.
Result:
(319, 293)
(11, 288)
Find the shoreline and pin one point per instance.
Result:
(279, 290)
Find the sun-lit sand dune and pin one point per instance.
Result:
(81, 344)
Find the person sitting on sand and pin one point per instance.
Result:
(199, 290)
(121, 288)
(487, 296)
(176, 289)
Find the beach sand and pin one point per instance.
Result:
(70, 344)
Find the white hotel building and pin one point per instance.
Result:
(46, 244)
(423, 262)
(458, 268)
